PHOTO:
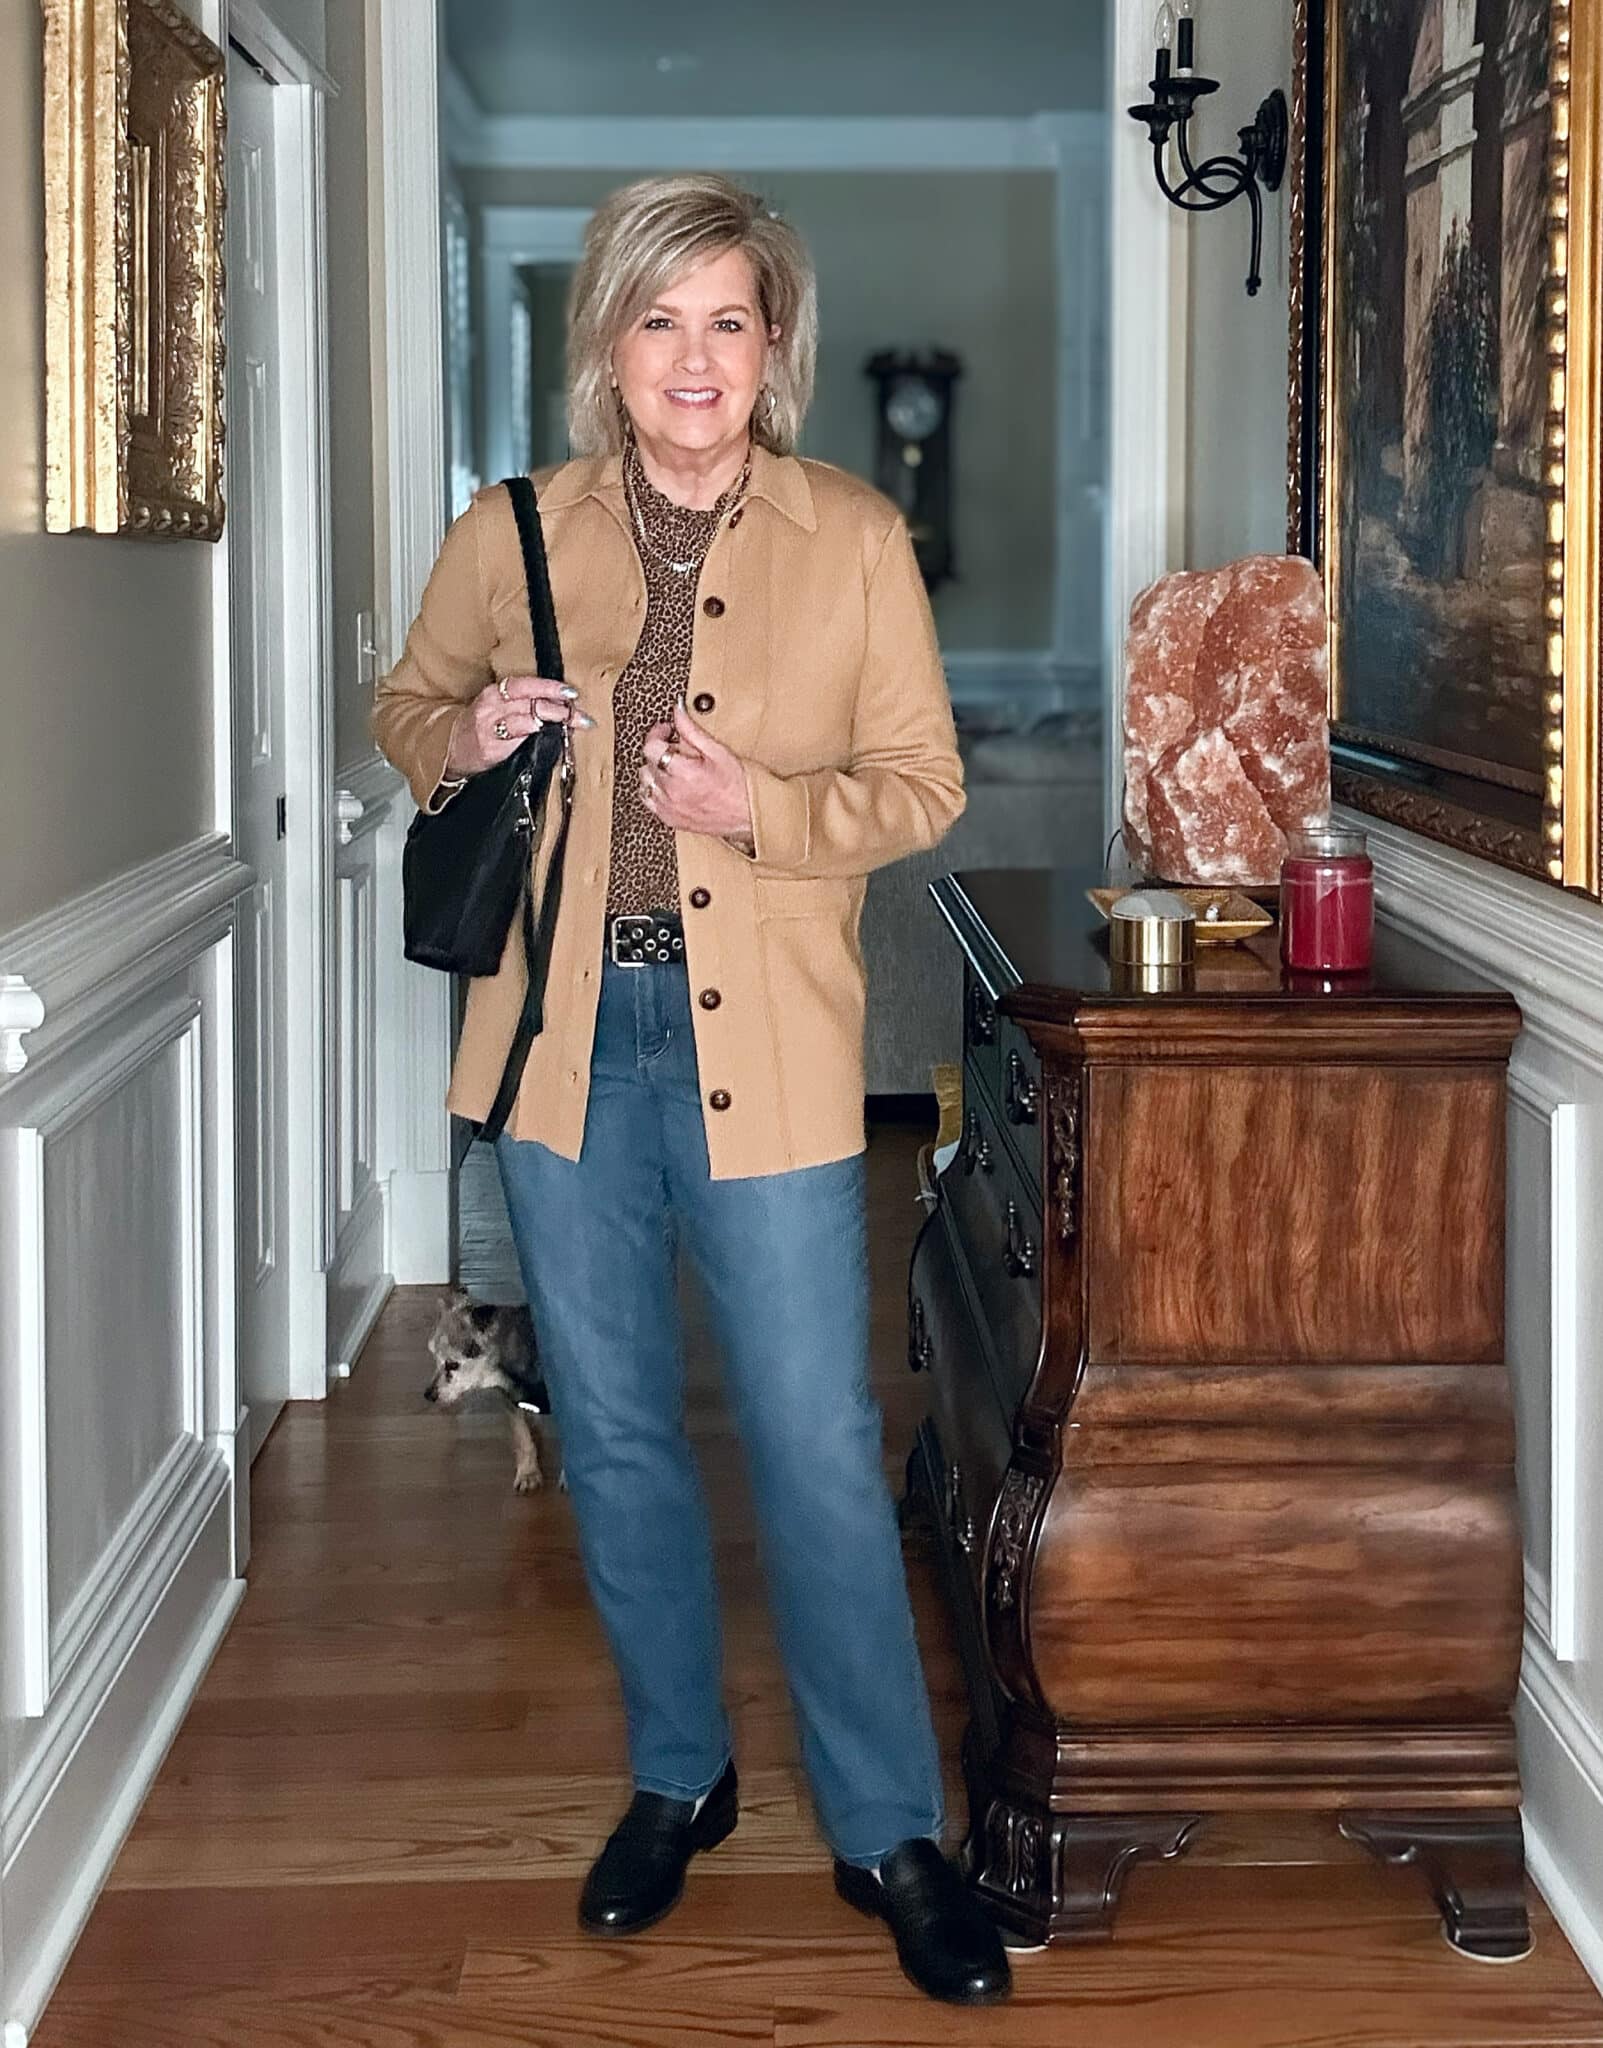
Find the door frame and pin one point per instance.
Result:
(1147, 342)
(414, 1010)
(305, 616)
(1149, 345)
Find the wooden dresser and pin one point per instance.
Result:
(1220, 1448)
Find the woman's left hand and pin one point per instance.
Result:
(693, 782)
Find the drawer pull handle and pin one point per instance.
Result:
(1018, 1253)
(1023, 1092)
(976, 1146)
(981, 1017)
(958, 1518)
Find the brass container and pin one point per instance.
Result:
(1152, 928)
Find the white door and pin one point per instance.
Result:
(255, 524)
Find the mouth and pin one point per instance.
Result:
(694, 397)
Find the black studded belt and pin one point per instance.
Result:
(653, 938)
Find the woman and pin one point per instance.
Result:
(759, 718)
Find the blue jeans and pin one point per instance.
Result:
(783, 1262)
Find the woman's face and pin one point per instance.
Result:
(689, 369)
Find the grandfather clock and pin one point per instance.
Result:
(914, 460)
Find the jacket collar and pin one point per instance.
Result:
(780, 480)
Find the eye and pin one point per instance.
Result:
(656, 320)
(732, 324)
(471, 1347)
(449, 1367)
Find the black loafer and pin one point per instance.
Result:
(946, 1942)
(640, 1874)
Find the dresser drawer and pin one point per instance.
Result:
(1020, 1098)
(982, 1031)
(974, 1432)
(996, 1216)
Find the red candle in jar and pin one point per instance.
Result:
(1327, 902)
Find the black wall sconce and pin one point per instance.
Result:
(1176, 87)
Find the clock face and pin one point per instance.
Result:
(913, 408)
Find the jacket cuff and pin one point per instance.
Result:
(432, 788)
(781, 820)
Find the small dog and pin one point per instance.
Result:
(481, 1348)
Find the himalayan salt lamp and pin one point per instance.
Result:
(1227, 748)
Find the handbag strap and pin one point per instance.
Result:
(539, 925)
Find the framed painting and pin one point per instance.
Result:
(134, 158)
(1445, 467)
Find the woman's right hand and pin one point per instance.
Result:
(513, 708)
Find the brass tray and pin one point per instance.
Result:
(1235, 916)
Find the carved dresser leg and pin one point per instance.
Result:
(1474, 1863)
(1055, 1876)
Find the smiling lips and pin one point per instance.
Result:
(699, 396)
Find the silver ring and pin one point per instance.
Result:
(501, 731)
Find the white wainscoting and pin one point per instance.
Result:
(359, 1279)
(1548, 949)
(119, 1411)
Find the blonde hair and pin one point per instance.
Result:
(638, 242)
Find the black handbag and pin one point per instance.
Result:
(467, 870)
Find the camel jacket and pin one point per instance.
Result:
(815, 660)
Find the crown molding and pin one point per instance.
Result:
(523, 142)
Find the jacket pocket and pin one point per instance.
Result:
(808, 896)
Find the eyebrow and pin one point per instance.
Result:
(668, 306)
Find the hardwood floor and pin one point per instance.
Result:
(371, 1829)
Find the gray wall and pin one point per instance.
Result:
(964, 260)
(105, 662)
(1236, 448)
(106, 659)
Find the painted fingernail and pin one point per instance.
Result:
(567, 690)
(582, 719)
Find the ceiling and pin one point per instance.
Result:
(640, 58)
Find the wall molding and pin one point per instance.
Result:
(1506, 926)
(1564, 1848)
(124, 1740)
(1547, 947)
(100, 952)
(21, 1011)
(539, 142)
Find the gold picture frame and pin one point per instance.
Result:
(1499, 757)
(134, 160)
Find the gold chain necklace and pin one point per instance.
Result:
(632, 472)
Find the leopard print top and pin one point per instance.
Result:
(644, 873)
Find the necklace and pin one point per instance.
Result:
(632, 474)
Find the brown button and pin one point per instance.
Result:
(719, 1098)
(703, 701)
(737, 515)
(713, 607)
(710, 999)
(700, 898)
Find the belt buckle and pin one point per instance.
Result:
(651, 941)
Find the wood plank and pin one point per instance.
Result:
(371, 1830)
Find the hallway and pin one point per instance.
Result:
(374, 1822)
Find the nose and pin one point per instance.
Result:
(693, 352)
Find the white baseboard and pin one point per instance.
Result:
(55, 1873)
(1561, 1764)
(359, 1284)
(419, 1221)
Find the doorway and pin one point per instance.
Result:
(278, 716)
